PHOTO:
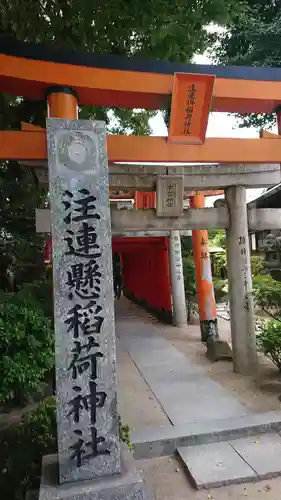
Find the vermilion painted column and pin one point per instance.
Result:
(62, 103)
(204, 283)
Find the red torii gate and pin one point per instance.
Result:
(65, 79)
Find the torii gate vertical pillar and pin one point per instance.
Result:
(203, 274)
(177, 281)
(62, 103)
(240, 283)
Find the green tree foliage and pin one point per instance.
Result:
(21, 194)
(22, 448)
(217, 238)
(220, 289)
(38, 295)
(252, 39)
(189, 275)
(157, 29)
(186, 246)
(267, 294)
(269, 340)
(189, 285)
(257, 266)
(26, 348)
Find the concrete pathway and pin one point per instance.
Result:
(178, 408)
(181, 388)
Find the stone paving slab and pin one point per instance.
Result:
(163, 440)
(215, 464)
(195, 389)
(262, 453)
(183, 391)
(165, 374)
(204, 409)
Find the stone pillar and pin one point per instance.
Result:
(88, 443)
(240, 283)
(89, 463)
(177, 280)
(204, 283)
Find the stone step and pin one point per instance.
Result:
(164, 440)
(241, 460)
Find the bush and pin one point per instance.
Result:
(39, 294)
(256, 265)
(220, 289)
(22, 450)
(269, 340)
(267, 293)
(189, 276)
(26, 349)
(189, 285)
(220, 265)
(124, 433)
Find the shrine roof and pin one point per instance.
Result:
(269, 199)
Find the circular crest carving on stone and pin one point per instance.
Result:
(77, 151)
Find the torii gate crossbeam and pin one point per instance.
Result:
(107, 80)
(122, 148)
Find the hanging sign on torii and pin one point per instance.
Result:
(191, 101)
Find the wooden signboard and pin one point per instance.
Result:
(191, 101)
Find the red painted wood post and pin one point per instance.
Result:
(204, 284)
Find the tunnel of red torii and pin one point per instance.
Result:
(153, 272)
(146, 273)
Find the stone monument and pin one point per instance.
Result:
(272, 250)
(89, 462)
